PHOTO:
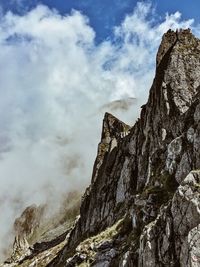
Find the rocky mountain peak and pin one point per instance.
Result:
(182, 36)
(142, 207)
(113, 128)
(178, 68)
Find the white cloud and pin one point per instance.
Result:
(54, 82)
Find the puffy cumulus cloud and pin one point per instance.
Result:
(56, 83)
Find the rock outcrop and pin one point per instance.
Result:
(143, 205)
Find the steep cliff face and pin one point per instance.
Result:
(143, 205)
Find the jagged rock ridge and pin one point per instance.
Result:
(143, 205)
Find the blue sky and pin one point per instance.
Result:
(104, 14)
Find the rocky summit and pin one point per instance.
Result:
(143, 205)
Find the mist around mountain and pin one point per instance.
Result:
(142, 207)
